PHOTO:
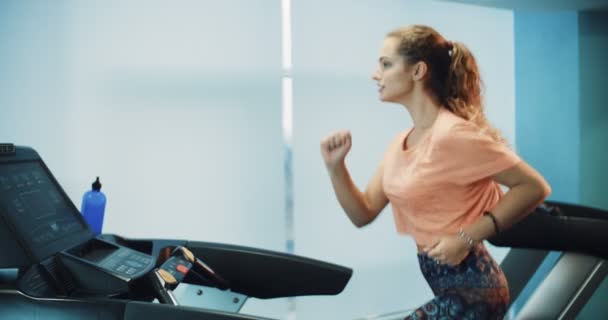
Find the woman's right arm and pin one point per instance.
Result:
(360, 207)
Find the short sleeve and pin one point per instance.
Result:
(466, 155)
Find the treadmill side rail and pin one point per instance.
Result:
(567, 287)
(267, 274)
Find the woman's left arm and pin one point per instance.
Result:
(527, 189)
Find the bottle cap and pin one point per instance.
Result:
(97, 185)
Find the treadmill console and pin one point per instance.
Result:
(41, 230)
(118, 260)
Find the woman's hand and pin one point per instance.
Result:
(449, 250)
(335, 147)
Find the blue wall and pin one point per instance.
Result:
(547, 98)
(593, 34)
(547, 109)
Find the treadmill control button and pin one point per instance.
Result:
(182, 268)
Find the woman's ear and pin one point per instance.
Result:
(420, 70)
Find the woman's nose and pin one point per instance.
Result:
(375, 75)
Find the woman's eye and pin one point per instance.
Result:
(386, 64)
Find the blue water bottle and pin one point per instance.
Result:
(93, 207)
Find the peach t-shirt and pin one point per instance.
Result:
(444, 182)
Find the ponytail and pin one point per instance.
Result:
(463, 96)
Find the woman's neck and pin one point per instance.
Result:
(423, 111)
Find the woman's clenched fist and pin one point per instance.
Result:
(335, 147)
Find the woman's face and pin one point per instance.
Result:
(394, 78)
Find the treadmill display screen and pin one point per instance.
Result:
(40, 213)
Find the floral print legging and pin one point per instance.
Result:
(474, 289)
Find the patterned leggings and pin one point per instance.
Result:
(474, 289)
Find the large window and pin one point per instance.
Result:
(183, 110)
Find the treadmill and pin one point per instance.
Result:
(52, 266)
